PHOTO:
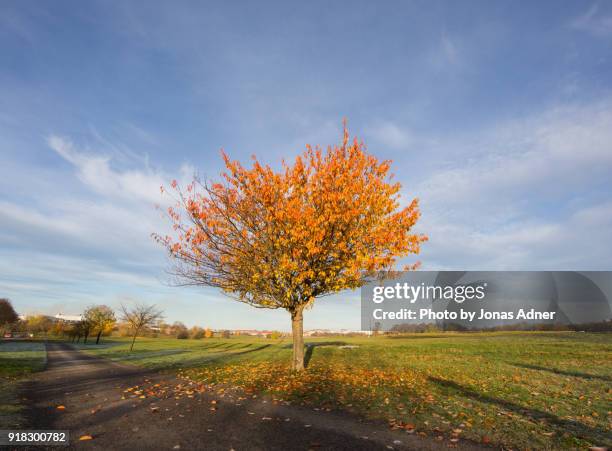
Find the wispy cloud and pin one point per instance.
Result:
(66, 243)
(593, 21)
(95, 171)
(446, 53)
(493, 208)
(449, 49)
(390, 135)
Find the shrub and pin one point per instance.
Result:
(183, 334)
(197, 334)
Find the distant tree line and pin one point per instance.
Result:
(99, 321)
(600, 326)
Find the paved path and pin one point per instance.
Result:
(91, 390)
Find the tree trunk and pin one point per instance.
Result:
(133, 340)
(98, 337)
(297, 331)
(86, 335)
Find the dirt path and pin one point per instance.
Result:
(91, 390)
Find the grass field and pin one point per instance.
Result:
(526, 390)
(17, 361)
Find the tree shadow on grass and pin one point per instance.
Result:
(208, 346)
(91, 344)
(419, 337)
(147, 355)
(563, 372)
(220, 357)
(593, 434)
(247, 350)
(226, 346)
(310, 347)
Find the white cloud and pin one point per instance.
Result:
(67, 244)
(449, 49)
(593, 22)
(490, 206)
(95, 171)
(447, 54)
(557, 151)
(84, 226)
(391, 135)
(573, 243)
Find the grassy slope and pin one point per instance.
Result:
(519, 389)
(17, 360)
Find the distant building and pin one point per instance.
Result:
(58, 317)
(68, 318)
(254, 333)
(323, 332)
(247, 332)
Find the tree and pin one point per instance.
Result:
(140, 317)
(196, 333)
(281, 239)
(59, 328)
(179, 330)
(85, 329)
(77, 330)
(164, 329)
(38, 324)
(101, 318)
(8, 315)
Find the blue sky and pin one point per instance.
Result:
(497, 115)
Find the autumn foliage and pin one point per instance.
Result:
(280, 239)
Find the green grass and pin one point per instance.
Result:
(160, 353)
(526, 390)
(18, 359)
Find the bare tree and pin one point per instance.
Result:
(140, 317)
